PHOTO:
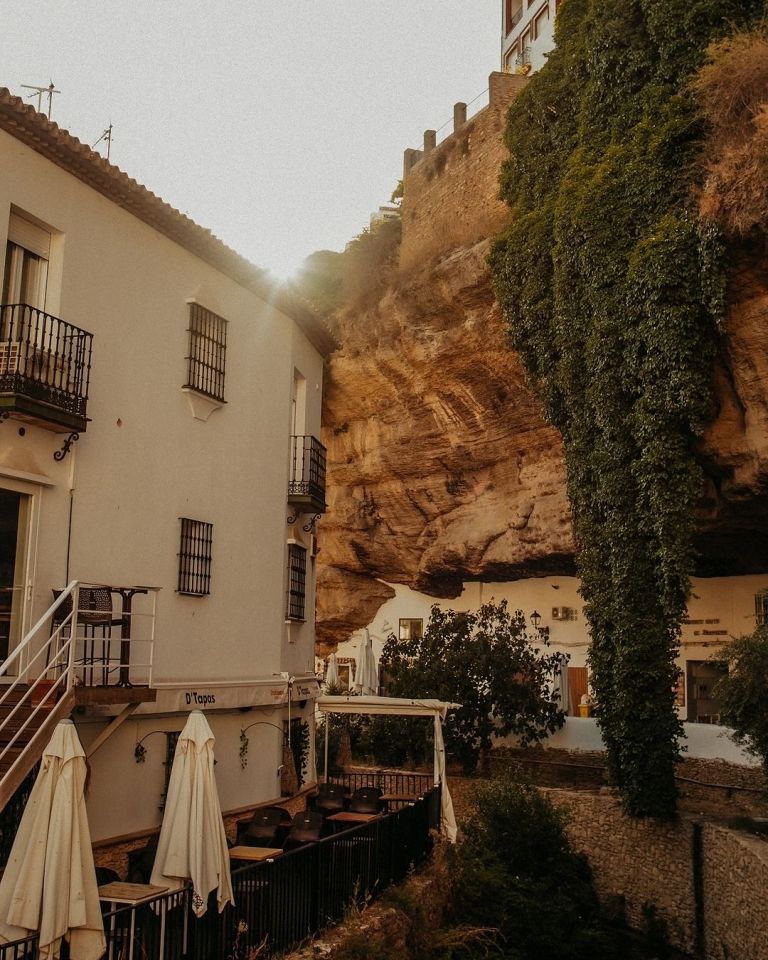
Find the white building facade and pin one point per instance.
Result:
(159, 409)
(527, 34)
(719, 609)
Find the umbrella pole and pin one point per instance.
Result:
(436, 761)
(327, 724)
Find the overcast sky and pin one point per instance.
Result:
(279, 124)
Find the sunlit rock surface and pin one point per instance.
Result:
(441, 468)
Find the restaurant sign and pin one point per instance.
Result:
(231, 696)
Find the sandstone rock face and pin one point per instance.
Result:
(442, 469)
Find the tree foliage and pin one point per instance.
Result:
(613, 292)
(516, 873)
(485, 661)
(743, 692)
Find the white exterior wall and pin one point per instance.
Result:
(145, 461)
(533, 33)
(719, 608)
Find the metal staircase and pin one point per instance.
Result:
(42, 680)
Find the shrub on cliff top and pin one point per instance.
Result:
(613, 292)
(732, 90)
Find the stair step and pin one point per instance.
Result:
(6, 709)
(8, 696)
(9, 759)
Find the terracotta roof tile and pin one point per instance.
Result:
(34, 129)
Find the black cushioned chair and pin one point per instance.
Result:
(331, 798)
(366, 800)
(306, 828)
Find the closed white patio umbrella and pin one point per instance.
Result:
(366, 673)
(193, 844)
(49, 883)
(332, 673)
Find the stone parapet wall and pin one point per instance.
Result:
(450, 191)
(707, 883)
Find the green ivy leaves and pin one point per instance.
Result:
(614, 294)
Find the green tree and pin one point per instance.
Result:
(516, 872)
(613, 292)
(487, 662)
(743, 692)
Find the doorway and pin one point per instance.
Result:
(14, 525)
(701, 676)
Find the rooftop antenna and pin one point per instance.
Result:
(107, 138)
(39, 93)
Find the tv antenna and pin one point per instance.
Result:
(107, 138)
(40, 93)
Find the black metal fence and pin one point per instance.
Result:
(278, 902)
(44, 358)
(389, 781)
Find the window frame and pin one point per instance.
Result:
(206, 352)
(296, 591)
(195, 557)
(409, 620)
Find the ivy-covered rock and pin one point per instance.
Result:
(613, 292)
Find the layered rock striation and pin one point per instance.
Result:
(441, 468)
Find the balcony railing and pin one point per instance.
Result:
(306, 483)
(45, 366)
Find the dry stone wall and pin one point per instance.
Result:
(707, 883)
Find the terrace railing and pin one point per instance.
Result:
(389, 781)
(277, 902)
(306, 483)
(45, 365)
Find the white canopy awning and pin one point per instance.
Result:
(393, 706)
(401, 707)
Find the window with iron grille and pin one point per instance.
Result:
(207, 352)
(297, 581)
(195, 557)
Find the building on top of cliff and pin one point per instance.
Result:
(527, 34)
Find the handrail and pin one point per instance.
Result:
(46, 672)
(41, 622)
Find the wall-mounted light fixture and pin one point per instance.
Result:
(536, 620)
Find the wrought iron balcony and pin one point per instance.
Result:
(306, 483)
(45, 366)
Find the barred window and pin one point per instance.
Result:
(297, 581)
(195, 557)
(207, 352)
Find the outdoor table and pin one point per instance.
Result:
(254, 853)
(131, 894)
(349, 817)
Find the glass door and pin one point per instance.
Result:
(14, 526)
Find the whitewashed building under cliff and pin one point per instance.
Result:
(159, 465)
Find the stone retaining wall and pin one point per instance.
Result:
(709, 884)
(451, 194)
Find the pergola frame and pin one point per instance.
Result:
(396, 707)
